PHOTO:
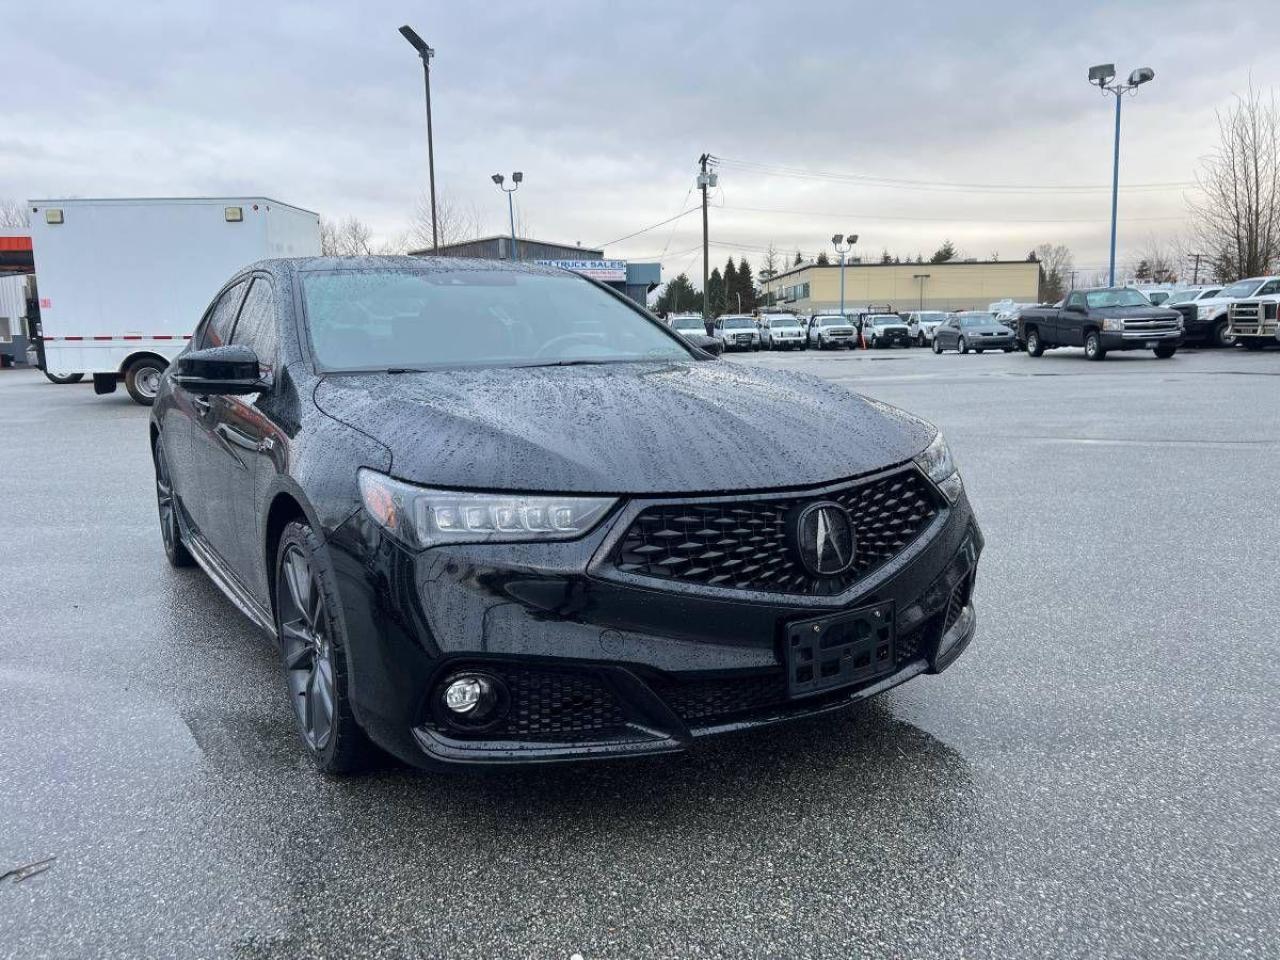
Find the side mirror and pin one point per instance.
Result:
(711, 345)
(225, 370)
(1074, 308)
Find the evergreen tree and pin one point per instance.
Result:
(715, 293)
(798, 260)
(885, 258)
(895, 259)
(944, 253)
(823, 260)
(746, 286)
(730, 286)
(678, 297)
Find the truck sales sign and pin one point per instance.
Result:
(608, 271)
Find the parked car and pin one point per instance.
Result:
(972, 330)
(922, 323)
(737, 332)
(1253, 320)
(885, 330)
(1157, 294)
(687, 323)
(781, 331)
(1111, 318)
(1213, 321)
(450, 492)
(831, 331)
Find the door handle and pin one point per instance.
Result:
(202, 404)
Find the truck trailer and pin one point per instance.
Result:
(123, 283)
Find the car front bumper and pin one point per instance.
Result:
(1139, 339)
(601, 667)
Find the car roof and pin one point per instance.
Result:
(404, 262)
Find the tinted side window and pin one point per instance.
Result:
(217, 331)
(1270, 288)
(1075, 300)
(257, 325)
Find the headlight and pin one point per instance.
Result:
(937, 464)
(424, 517)
(1203, 312)
(1112, 324)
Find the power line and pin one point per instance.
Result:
(652, 226)
(865, 216)
(779, 170)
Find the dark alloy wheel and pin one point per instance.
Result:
(1222, 334)
(69, 378)
(962, 346)
(314, 653)
(1034, 347)
(1093, 346)
(174, 549)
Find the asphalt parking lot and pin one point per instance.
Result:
(1097, 777)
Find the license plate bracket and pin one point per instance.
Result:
(822, 653)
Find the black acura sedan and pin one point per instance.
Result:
(494, 513)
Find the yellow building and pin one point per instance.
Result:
(957, 285)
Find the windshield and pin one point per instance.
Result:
(738, 323)
(411, 319)
(932, 317)
(784, 323)
(1182, 296)
(1241, 288)
(884, 321)
(832, 322)
(1118, 297)
(690, 323)
(975, 319)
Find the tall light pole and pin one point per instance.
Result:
(922, 277)
(516, 179)
(842, 248)
(426, 53)
(1103, 76)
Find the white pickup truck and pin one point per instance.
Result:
(1213, 322)
(1253, 318)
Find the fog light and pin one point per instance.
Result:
(465, 694)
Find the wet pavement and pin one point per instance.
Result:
(1097, 777)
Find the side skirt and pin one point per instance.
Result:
(225, 581)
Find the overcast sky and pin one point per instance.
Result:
(605, 107)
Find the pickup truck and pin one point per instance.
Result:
(1111, 318)
(1213, 314)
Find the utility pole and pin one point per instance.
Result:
(1073, 279)
(1195, 279)
(705, 179)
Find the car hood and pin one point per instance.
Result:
(1138, 313)
(987, 328)
(637, 428)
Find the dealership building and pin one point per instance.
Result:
(956, 285)
(635, 280)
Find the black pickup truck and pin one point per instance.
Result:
(1111, 318)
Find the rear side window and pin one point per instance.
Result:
(221, 318)
(257, 325)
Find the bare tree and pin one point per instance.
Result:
(1237, 217)
(1055, 270)
(13, 214)
(352, 237)
(769, 265)
(455, 222)
(1155, 261)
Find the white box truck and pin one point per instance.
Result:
(123, 283)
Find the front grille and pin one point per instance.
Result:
(547, 704)
(1150, 326)
(1249, 312)
(744, 544)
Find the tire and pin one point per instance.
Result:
(1007, 349)
(919, 339)
(937, 345)
(1165, 351)
(1221, 336)
(175, 550)
(1093, 349)
(142, 379)
(313, 648)
(1035, 348)
(1252, 344)
(961, 346)
(69, 378)
(978, 350)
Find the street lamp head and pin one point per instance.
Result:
(517, 177)
(838, 239)
(498, 178)
(1102, 74)
(853, 238)
(1140, 76)
(416, 41)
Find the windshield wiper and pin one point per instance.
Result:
(563, 363)
(406, 370)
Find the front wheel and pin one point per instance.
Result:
(1093, 349)
(962, 346)
(175, 550)
(1222, 336)
(937, 345)
(1165, 351)
(1035, 347)
(142, 379)
(69, 378)
(314, 648)
(1252, 344)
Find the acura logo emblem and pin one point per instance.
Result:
(824, 539)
